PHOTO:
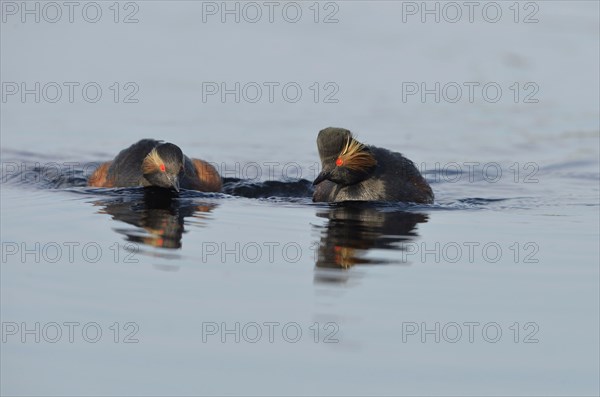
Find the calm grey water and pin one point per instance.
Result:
(494, 289)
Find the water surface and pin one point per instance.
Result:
(378, 292)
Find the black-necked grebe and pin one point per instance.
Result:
(153, 163)
(352, 171)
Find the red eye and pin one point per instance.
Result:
(162, 167)
(339, 162)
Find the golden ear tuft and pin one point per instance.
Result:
(152, 162)
(355, 157)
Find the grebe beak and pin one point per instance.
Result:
(322, 176)
(175, 183)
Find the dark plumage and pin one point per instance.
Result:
(352, 171)
(153, 163)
